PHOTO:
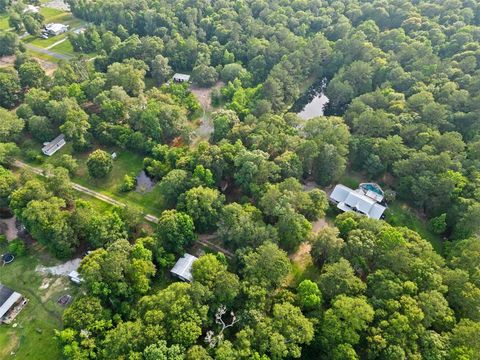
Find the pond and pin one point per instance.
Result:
(144, 183)
(312, 103)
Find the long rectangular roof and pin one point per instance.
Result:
(8, 297)
(182, 77)
(54, 145)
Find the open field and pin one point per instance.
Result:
(126, 163)
(4, 21)
(43, 43)
(64, 48)
(33, 336)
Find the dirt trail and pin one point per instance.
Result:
(203, 96)
(205, 240)
(8, 227)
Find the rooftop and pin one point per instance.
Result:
(355, 200)
(8, 298)
(51, 147)
(183, 267)
(181, 77)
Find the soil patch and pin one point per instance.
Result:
(203, 95)
(57, 4)
(61, 270)
(6, 61)
(8, 227)
(57, 285)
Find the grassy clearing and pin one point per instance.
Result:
(44, 43)
(4, 21)
(33, 337)
(126, 163)
(400, 214)
(49, 13)
(64, 48)
(42, 56)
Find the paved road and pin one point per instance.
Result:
(204, 239)
(47, 52)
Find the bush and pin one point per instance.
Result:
(99, 164)
(17, 247)
(33, 155)
(438, 224)
(129, 183)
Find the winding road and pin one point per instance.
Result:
(204, 239)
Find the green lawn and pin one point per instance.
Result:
(126, 163)
(50, 13)
(33, 336)
(42, 56)
(65, 48)
(4, 21)
(400, 214)
(43, 43)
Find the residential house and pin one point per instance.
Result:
(183, 267)
(11, 303)
(53, 146)
(347, 199)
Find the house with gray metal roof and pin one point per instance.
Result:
(11, 303)
(53, 146)
(347, 199)
(183, 267)
(180, 78)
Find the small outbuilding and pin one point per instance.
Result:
(54, 30)
(347, 199)
(11, 303)
(53, 146)
(75, 277)
(183, 267)
(180, 78)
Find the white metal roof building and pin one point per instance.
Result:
(75, 277)
(9, 301)
(352, 200)
(181, 77)
(183, 267)
(56, 29)
(31, 9)
(53, 146)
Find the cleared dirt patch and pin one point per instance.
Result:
(8, 227)
(6, 61)
(203, 95)
(62, 269)
(56, 286)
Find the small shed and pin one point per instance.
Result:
(75, 277)
(180, 78)
(53, 146)
(11, 303)
(183, 267)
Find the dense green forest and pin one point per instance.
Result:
(403, 82)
